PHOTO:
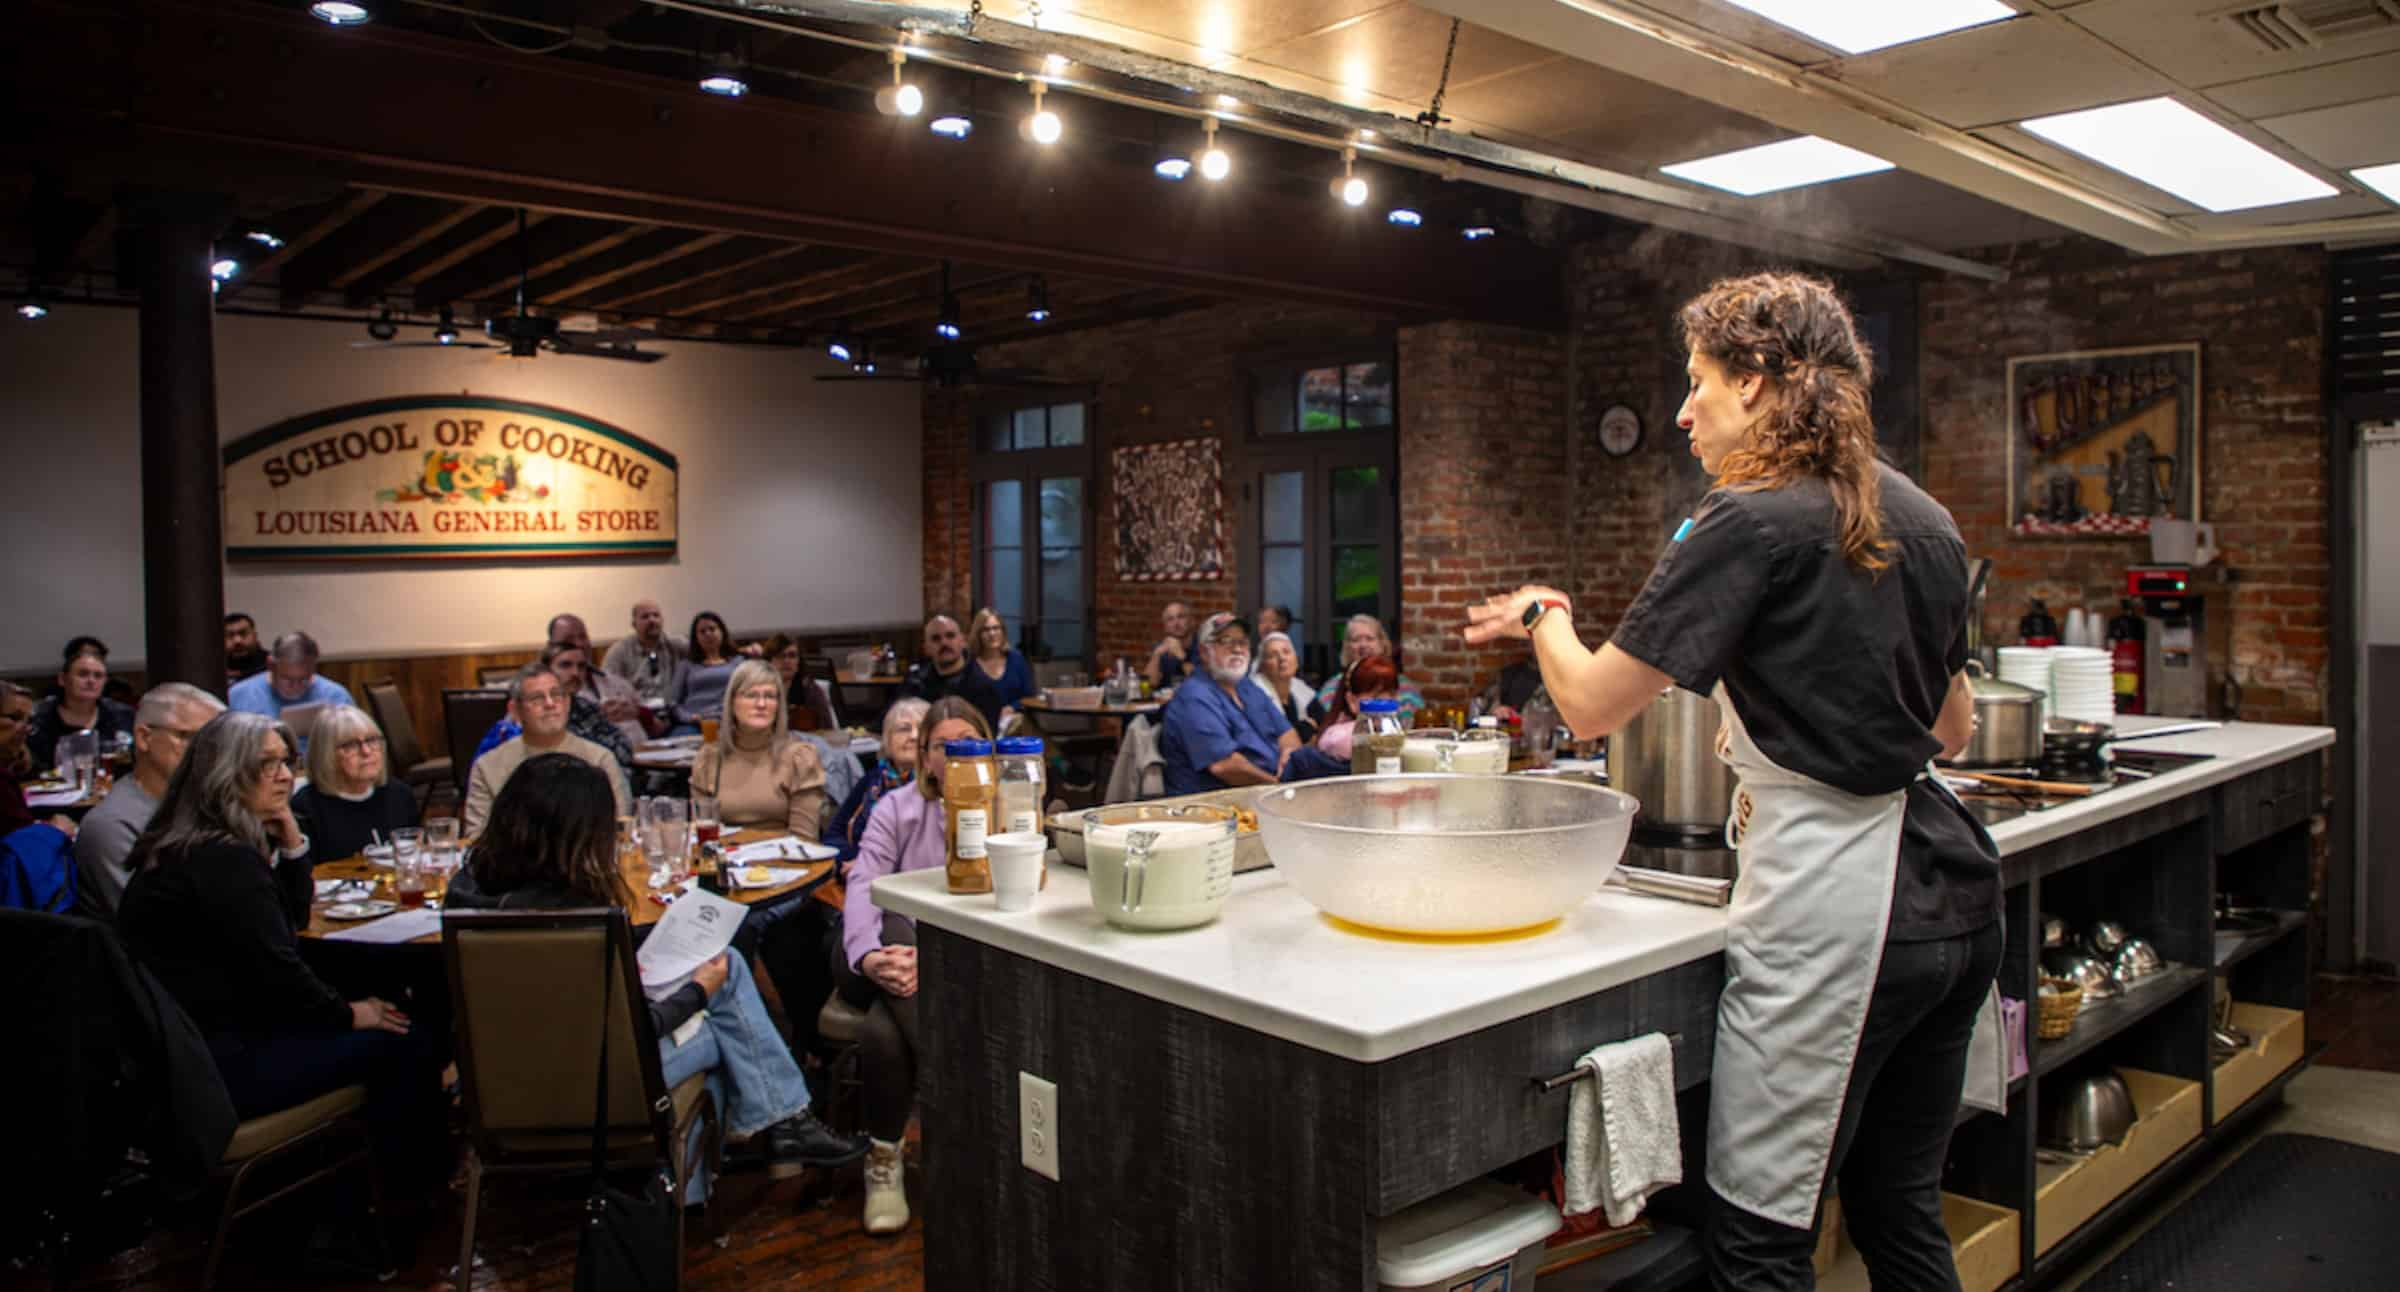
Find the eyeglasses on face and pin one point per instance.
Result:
(361, 745)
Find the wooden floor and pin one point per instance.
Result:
(805, 1232)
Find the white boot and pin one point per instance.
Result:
(887, 1201)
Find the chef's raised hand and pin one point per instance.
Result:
(1504, 615)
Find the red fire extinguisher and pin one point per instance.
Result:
(2125, 651)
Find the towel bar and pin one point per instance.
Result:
(1579, 1072)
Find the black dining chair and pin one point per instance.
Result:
(467, 713)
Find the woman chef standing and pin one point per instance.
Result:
(1821, 598)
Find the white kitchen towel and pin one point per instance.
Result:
(1623, 1143)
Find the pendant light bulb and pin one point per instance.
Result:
(1215, 163)
(340, 13)
(899, 99)
(1348, 186)
(1037, 302)
(1043, 126)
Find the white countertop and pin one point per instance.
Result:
(1272, 963)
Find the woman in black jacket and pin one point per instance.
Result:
(221, 882)
(351, 800)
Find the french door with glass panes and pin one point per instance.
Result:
(1325, 541)
(1032, 528)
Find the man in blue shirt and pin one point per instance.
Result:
(1216, 735)
(291, 680)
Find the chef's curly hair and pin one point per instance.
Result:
(1794, 330)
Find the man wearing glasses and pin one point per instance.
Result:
(539, 703)
(163, 724)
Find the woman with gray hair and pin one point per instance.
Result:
(350, 800)
(221, 881)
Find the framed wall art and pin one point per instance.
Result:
(1169, 510)
(2100, 442)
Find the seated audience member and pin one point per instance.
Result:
(1170, 659)
(244, 657)
(946, 671)
(163, 726)
(1364, 638)
(650, 661)
(1276, 674)
(37, 868)
(79, 704)
(618, 701)
(700, 690)
(893, 769)
(757, 770)
(221, 881)
(538, 701)
(809, 695)
(350, 800)
(1372, 678)
(1274, 619)
(878, 968)
(1001, 664)
(553, 844)
(1515, 685)
(291, 679)
(584, 717)
(1219, 731)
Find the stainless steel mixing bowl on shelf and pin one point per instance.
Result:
(1445, 855)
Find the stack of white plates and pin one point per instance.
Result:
(2026, 666)
(2082, 684)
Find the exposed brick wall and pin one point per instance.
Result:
(2259, 316)
(949, 522)
(1484, 489)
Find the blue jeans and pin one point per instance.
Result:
(750, 1073)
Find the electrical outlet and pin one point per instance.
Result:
(1037, 1124)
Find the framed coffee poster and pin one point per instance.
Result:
(2101, 442)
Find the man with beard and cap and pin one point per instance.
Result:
(1219, 732)
(944, 670)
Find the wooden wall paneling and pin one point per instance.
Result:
(421, 679)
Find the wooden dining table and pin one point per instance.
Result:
(1041, 704)
(644, 910)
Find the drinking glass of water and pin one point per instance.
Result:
(665, 839)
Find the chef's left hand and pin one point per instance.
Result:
(1504, 615)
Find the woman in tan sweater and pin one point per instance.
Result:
(758, 773)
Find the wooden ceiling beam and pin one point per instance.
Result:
(687, 282)
(506, 283)
(427, 232)
(1149, 304)
(875, 275)
(592, 282)
(474, 246)
(343, 212)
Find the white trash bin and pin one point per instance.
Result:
(1480, 1237)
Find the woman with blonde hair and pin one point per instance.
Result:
(1821, 598)
(759, 773)
(1011, 676)
(877, 971)
(350, 799)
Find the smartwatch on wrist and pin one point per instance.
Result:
(1534, 612)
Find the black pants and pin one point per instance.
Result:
(887, 1049)
(791, 949)
(267, 1072)
(1894, 1131)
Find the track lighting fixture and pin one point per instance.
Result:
(1347, 185)
(1037, 300)
(265, 239)
(951, 127)
(32, 309)
(724, 85)
(1477, 232)
(446, 332)
(340, 13)
(1215, 163)
(223, 268)
(899, 99)
(946, 325)
(1041, 126)
(381, 327)
(1405, 213)
(840, 347)
(1172, 168)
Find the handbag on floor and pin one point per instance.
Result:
(628, 1239)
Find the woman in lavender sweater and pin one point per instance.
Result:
(877, 972)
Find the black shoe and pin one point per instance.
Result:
(797, 1143)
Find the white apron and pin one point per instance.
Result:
(1803, 943)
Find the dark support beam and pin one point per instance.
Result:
(500, 232)
(314, 273)
(636, 259)
(648, 294)
(183, 548)
(398, 247)
(606, 241)
(1153, 304)
(491, 275)
(825, 284)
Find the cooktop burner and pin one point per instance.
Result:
(1993, 805)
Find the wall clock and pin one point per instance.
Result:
(1620, 430)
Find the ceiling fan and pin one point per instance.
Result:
(524, 335)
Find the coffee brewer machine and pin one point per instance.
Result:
(2188, 649)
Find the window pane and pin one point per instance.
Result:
(1357, 581)
(1031, 434)
(1062, 638)
(1004, 583)
(1282, 516)
(1370, 394)
(1062, 583)
(1004, 514)
(1321, 399)
(1066, 425)
(1062, 511)
(995, 432)
(1284, 571)
(1358, 505)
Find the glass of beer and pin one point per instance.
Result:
(705, 823)
(708, 731)
(408, 877)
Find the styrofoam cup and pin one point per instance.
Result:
(1016, 867)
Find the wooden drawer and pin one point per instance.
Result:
(2265, 801)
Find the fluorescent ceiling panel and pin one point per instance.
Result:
(2168, 146)
(1856, 26)
(2383, 179)
(1770, 168)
